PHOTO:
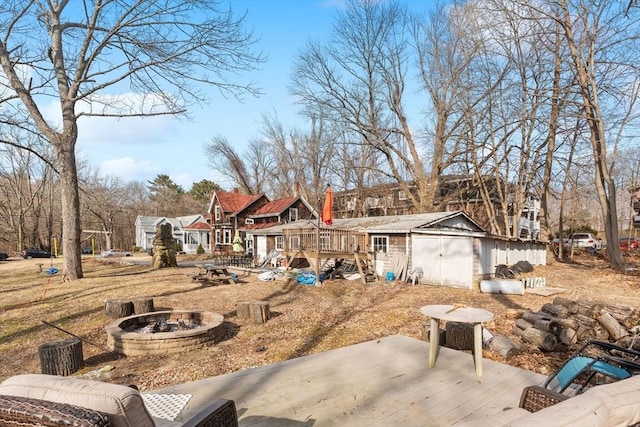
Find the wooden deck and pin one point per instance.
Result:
(377, 383)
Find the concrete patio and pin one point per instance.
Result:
(376, 383)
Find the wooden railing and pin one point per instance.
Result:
(324, 240)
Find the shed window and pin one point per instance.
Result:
(380, 244)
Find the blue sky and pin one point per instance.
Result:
(140, 149)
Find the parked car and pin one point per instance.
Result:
(3, 256)
(115, 253)
(627, 243)
(584, 241)
(36, 253)
(87, 250)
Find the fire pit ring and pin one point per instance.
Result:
(202, 327)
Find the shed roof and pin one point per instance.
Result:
(388, 224)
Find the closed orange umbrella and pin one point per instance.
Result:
(327, 209)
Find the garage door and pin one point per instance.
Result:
(445, 260)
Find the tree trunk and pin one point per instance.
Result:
(257, 311)
(556, 310)
(615, 329)
(459, 336)
(117, 308)
(142, 305)
(70, 200)
(570, 305)
(61, 357)
(543, 340)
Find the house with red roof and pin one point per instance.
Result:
(235, 216)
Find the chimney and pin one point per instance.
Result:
(296, 189)
(235, 190)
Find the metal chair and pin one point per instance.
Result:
(595, 363)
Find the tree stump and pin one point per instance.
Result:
(142, 305)
(117, 308)
(61, 357)
(459, 336)
(257, 311)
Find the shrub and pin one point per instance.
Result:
(200, 249)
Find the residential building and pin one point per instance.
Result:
(455, 193)
(189, 232)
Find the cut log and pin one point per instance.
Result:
(570, 305)
(532, 317)
(627, 316)
(585, 333)
(257, 311)
(459, 336)
(541, 339)
(61, 357)
(615, 329)
(142, 305)
(523, 324)
(503, 346)
(556, 310)
(588, 308)
(260, 312)
(586, 321)
(568, 336)
(117, 308)
(242, 309)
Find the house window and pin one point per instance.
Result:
(248, 221)
(218, 240)
(248, 243)
(402, 195)
(218, 213)
(294, 242)
(279, 243)
(227, 236)
(380, 244)
(293, 214)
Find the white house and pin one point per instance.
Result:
(449, 247)
(189, 232)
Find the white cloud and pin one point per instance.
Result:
(129, 169)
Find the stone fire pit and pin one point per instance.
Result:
(132, 335)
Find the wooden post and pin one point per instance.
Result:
(61, 357)
(117, 308)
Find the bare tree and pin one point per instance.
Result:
(602, 41)
(77, 52)
(361, 79)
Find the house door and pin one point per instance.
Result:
(261, 248)
(445, 260)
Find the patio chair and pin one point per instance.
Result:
(595, 363)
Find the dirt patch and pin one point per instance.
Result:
(306, 319)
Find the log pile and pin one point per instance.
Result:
(565, 322)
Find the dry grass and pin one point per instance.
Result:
(306, 320)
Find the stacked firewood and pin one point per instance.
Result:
(565, 322)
